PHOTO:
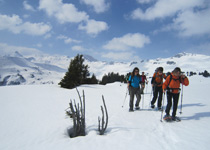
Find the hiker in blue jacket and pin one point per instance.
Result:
(134, 82)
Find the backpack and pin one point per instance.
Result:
(171, 89)
(153, 81)
(127, 76)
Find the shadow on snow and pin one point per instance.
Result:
(197, 116)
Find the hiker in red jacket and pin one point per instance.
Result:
(144, 80)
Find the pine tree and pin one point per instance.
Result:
(77, 73)
(94, 80)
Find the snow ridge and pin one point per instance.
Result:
(17, 69)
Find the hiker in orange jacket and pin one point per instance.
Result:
(172, 86)
(157, 82)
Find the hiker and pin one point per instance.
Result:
(134, 88)
(144, 80)
(127, 76)
(157, 82)
(172, 86)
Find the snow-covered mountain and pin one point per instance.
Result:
(17, 69)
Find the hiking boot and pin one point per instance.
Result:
(131, 110)
(137, 107)
(167, 118)
(176, 119)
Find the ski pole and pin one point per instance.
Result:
(125, 97)
(146, 86)
(150, 97)
(181, 100)
(161, 118)
(143, 102)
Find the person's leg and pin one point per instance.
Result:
(160, 97)
(131, 98)
(138, 96)
(169, 103)
(175, 104)
(155, 94)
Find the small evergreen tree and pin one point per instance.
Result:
(94, 80)
(206, 74)
(91, 80)
(77, 73)
(112, 77)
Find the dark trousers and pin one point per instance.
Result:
(134, 91)
(169, 104)
(157, 92)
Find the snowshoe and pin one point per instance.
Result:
(160, 109)
(131, 110)
(137, 108)
(177, 119)
(167, 118)
(152, 106)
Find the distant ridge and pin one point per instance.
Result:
(17, 69)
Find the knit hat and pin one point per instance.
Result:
(177, 69)
(160, 69)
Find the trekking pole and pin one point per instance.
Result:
(150, 97)
(125, 98)
(181, 100)
(143, 102)
(146, 87)
(161, 118)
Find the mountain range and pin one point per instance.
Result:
(16, 69)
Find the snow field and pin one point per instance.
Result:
(33, 117)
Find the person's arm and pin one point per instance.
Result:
(129, 82)
(165, 84)
(153, 80)
(184, 80)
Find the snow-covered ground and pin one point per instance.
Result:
(33, 118)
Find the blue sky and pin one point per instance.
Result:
(113, 30)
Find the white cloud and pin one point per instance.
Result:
(78, 48)
(16, 25)
(165, 8)
(6, 49)
(190, 23)
(68, 13)
(144, 1)
(39, 45)
(27, 6)
(62, 12)
(26, 16)
(47, 36)
(35, 28)
(98, 5)
(10, 23)
(190, 18)
(120, 56)
(93, 27)
(136, 40)
(68, 40)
